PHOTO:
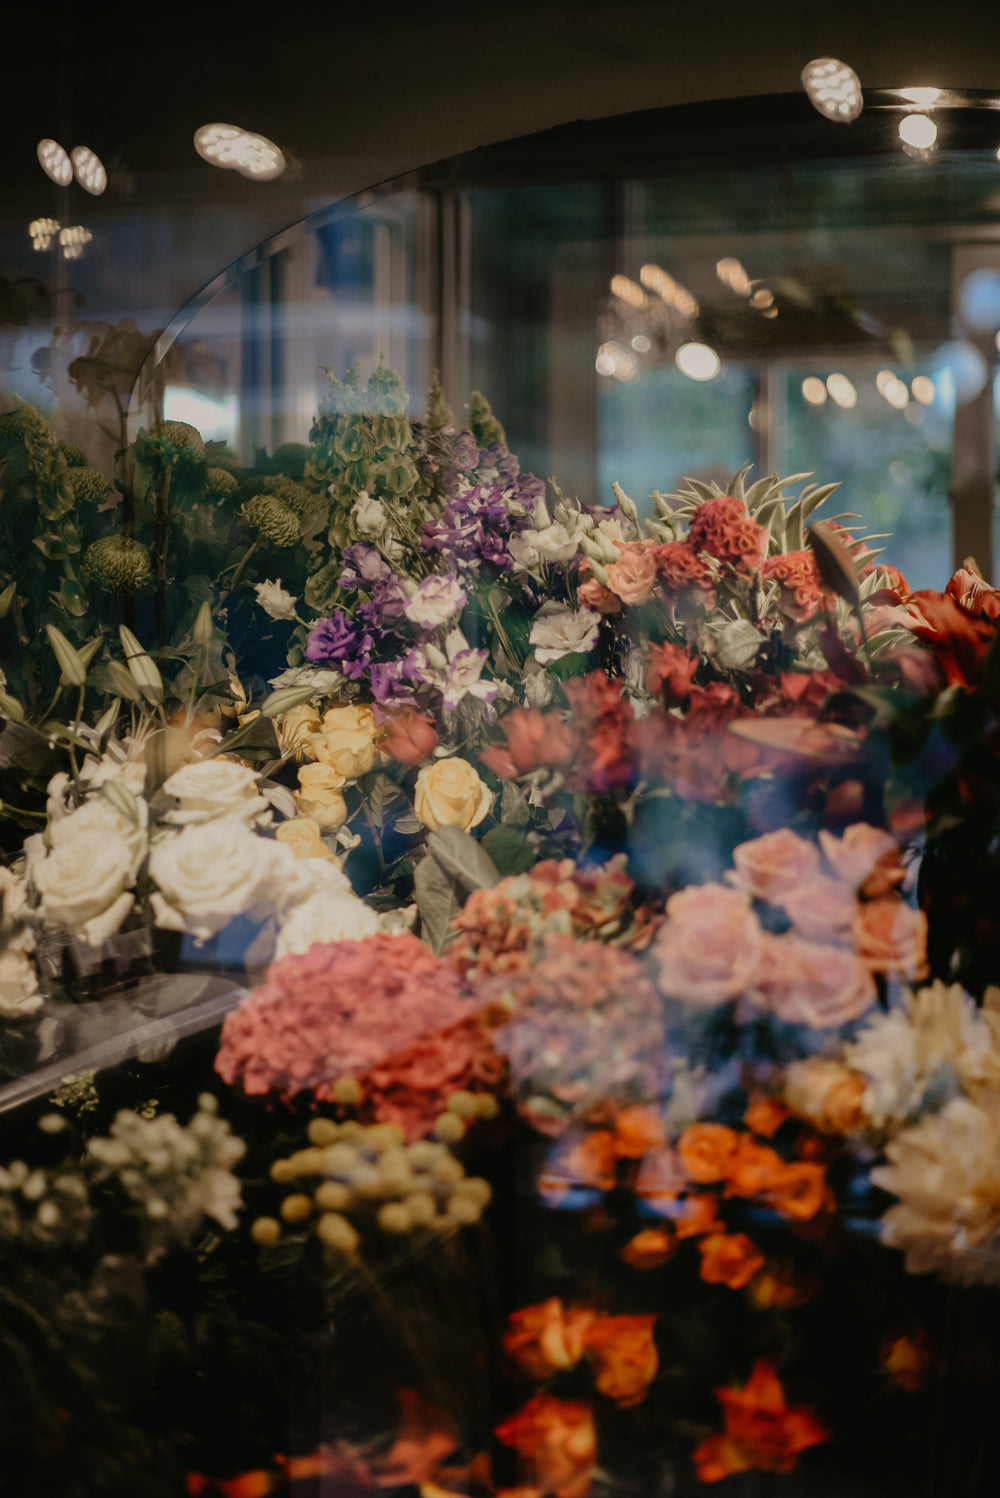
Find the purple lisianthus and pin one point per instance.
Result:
(390, 682)
(388, 603)
(363, 564)
(343, 641)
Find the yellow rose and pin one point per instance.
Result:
(449, 793)
(301, 834)
(346, 741)
(320, 797)
(295, 729)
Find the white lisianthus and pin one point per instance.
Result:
(329, 915)
(84, 881)
(554, 543)
(97, 819)
(435, 601)
(18, 984)
(323, 681)
(276, 602)
(557, 631)
(213, 788)
(114, 764)
(370, 516)
(212, 871)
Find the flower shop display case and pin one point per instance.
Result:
(499, 990)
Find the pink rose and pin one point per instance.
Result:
(709, 948)
(771, 865)
(822, 910)
(804, 983)
(634, 576)
(891, 938)
(865, 857)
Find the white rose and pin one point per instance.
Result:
(213, 788)
(558, 631)
(83, 882)
(329, 915)
(370, 516)
(97, 819)
(275, 601)
(212, 871)
(16, 932)
(436, 600)
(18, 985)
(309, 877)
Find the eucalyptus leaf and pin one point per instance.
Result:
(463, 858)
(436, 894)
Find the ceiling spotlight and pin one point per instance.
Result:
(54, 162)
(842, 391)
(697, 361)
(641, 343)
(833, 88)
(923, 390)
(925, 97)
(41, 231)
(918, 131)
(233, 149)
(89, 170)
(627, 291)
(814, 391)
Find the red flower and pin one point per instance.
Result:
(958, 642)
(801, 593)
(762, 1431)
(684, 573)
(409, 738)
(545, 1338)
(671, 671)
(974, 595)
(624, 1356)
(557, 1441)
(533, 739)
(602, 722)
(723, 528)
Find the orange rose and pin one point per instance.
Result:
(624, 1356)
(753, 1168)
(633, 577)
(660, 1180)
(638, 1131)
(698, 1217)
(541, 1339)
(557, 1442)
(908, 1361)
(649, 1248)
(707, 1151)
(765, 1115)
(592, 1160)
(799, 1191)
(891, 938)
(729, 1259)
(762, 1431)
(409, 738)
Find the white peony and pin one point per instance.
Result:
(210, 872)
(558, 631)
(330, 915)
(276, 602)
(18, 984)
(213, 788)
(370, 516)
(84, 881)
(436, 600)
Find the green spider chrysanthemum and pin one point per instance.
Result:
(117, 564)
(89, 484)
(272, 519)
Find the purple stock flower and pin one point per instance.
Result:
(342, 641)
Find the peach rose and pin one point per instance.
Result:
(729, 1259)
(772, 865)
(301, 834)
(707, 1151)
(321, 798)
(638, 1131)
(697, 1217)
(449, 793)
(891, 938)
(865, 857)
(409, 737)
(660, 1180)
(346, 741)
(822, 910)
(596, 596)
(544, 1338)
(709, 948)
(804, 983)
(624, 1356)
(633, 577)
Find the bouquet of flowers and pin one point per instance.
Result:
(491, 984)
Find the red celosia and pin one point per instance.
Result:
(686, 577)
(724, 529)
(801, 593)
(762, 1431)
(671, 671)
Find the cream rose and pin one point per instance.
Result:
(346, 741)
(18, 985)
(296, 728)
(302, 836)
(449, 793)
(210, 872)
(327, 916)
(83, 882)
(15, 932)
(321, 797)
(709, 949)
(98, 819)
(213, 788)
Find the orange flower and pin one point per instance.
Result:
(762, 1431)
(592, 1160)
(908, 1361)
(729, 1259)
(543, 1338)
(800, 1191)
(426, 1435)
(765, 1115)
(557, 1442)
(624, 1356)
(660, 1180)
(775, 1288)
(638, 1130)
(649, 1249)
(698, 1217)
(754, 1168)
(707, 1150)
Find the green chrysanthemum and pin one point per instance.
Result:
(220, 483)
(16, 424)
(117, 564)
(171, 442)
(272, 519)
(75, 456)
(89, 484)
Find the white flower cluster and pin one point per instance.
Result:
(19, 993)
(85, 877)
(177, 1175)
(43, 1208)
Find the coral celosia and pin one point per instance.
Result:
(723, 528)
